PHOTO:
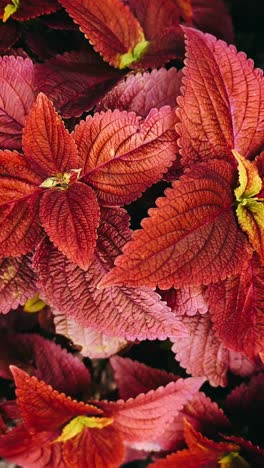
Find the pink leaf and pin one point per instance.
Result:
(70, 217)
(141, 92)
(17, 94)
(75, 81)
(236, 307)
(47, 144)
(122, 155)
(133, 377)
(191, 238)
(145, 417)
(202, 353)
(17, 282)
(94, 344)
(222, 106)
(125, 312)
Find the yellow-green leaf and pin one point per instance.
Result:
(10, 9)
(251, 220)
(233, 460)
(133, 55)
(34, 304)
(78, 424)
(250, 182)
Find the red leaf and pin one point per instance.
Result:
(192, 237)
(43, 408)
(17, 282)
(145, 417)
(47, 144)
(129, 154)
(133, 377)
(94, 344)
(222, 106)
(16, 98)
(20, 447)
(100, 448)
(127, 313)
(9, 34)
(160, 23)
(109, 26)
(70, 217)
(141, 92)
(75, 81)
(236, 306)
(29, 9)
(202, 353)
(20, 228)
(51, 363)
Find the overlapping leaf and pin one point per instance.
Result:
(186, 301)
(125, 312)
(9, 34)
(222, 106)
(17, 282)
(141, 92)
(109, 26)
(44, 359)
(75, 81)
(17, 94)
(130, 154)
(236, 306)
(192, 237)
(27, 9)
(94, 344)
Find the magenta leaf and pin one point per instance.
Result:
(142, 92)
(125, 312)
(17, 94)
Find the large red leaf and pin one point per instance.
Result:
(100, 448)
(17, 94)
(28, 9)
(20, 228)
(71, 217)
(192, 237)
(17, 282)
(109, 26)
(44, 359)
(222, 106)
(122, 155)
(141, 92)
(94, 344)
(125, 312)
(75, 81)
(145, 417)
(43, 408)
(24, 449)
(47, 144)
(236, 307)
